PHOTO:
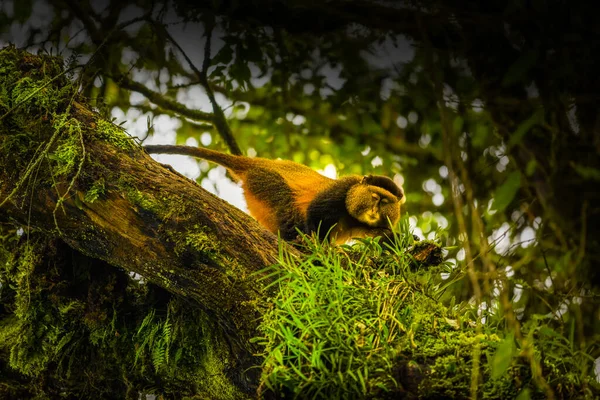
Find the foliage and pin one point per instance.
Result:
(69, 323)
(358, 322)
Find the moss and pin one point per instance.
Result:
(143, 201)
(70, 324)
(35, 94)
(75, 325)
(109, 132)
(97, 190)
(197, 239)
(68, 152)
(41, 121)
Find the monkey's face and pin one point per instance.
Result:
(373, 205)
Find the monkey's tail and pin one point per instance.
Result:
(234, 163)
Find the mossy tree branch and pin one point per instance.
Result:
(161, 100)
(123, 207)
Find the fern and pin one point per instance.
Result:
(156, 339)
(167, 337)
(158, 355)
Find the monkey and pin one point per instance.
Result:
(356, 207)
(285, 196)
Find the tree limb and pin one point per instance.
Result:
(218, 118)
(128, 210)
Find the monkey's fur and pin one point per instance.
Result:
(284, 196)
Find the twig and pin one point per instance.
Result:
(161, 100)
(219, 119)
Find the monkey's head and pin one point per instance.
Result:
(375, 200)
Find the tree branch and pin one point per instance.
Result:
(122, 207)
(161, 100)
(219, 118)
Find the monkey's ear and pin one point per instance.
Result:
(366, 179)
(402, 198)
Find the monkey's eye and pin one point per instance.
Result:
(375, 196)
(385, 201)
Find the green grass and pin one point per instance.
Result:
(334, 328)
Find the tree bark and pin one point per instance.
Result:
(119, 205)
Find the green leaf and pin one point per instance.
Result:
(525, 127)
(224, 56)
(217, 71)
(503, 356)
(252, 50)
(519, 69)
(587, 173)
(550, 332)
(530, 168)
(507, 191)
(480, 135)
(241, 73)
(524, 395)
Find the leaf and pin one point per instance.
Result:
(519, 69)
(524, 395)
(480, 135)
(241, 73)
(546, 330)
(217, 71)
(224, 56)
(530, 168)
(453, 323)
(587, 173)
(525, 127)
(507, 191)
(503, 356)
(252, 50)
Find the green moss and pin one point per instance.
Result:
(74, 325)
(142, 200)
(68, 153)
(40, 123)
(197, 241)
(97, 190)
(109, 132)
(214, 367)
(200, 240)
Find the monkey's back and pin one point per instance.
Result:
(278, 192)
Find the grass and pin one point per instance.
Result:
(334, 328)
